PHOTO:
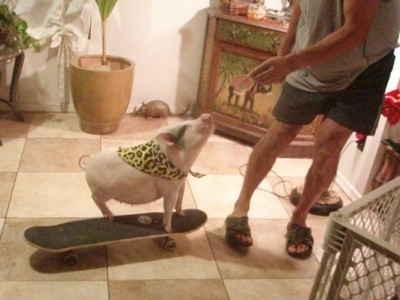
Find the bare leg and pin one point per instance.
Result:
(260, 163)
(329, 142)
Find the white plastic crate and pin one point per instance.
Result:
(361, 259)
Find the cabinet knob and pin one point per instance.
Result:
(276, 42)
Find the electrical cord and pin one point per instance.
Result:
(285, 182)
(273, 192)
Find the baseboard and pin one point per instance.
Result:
(347, 187)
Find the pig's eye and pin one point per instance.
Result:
(181, 133)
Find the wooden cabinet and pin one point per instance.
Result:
(234, 45)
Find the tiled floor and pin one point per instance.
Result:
(41, 183)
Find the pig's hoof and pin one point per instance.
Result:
(71, 258)
(109, 216)
(168, 244)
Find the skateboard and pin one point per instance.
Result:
(70, 236)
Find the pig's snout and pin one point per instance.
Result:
(207, 121)
(206, 118)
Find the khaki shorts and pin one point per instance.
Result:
(357, 107)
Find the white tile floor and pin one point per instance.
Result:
(41, 183)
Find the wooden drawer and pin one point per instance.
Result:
(249, 36)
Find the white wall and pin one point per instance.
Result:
(165, 40)
(356, 168)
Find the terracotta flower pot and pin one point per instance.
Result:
(101, 94)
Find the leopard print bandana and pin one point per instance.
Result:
(149, 158)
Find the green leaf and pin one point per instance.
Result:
(105, 8)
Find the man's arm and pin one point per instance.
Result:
(358, 16)
(290, 36)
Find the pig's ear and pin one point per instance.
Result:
(167, 138)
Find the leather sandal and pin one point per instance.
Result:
(299, 235)
(236, 229)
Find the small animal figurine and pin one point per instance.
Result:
(156, 109)
(150, 171)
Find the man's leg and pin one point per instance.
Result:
(260, 163)
(330, 139)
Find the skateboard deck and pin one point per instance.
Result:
(101, 231)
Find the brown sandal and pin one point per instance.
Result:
(238, 226)
(299, 235)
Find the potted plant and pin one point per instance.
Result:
(13, 30)
(101, 85)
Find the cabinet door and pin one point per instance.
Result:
(232, 50)
(234, 100)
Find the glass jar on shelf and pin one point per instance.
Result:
(256, 12)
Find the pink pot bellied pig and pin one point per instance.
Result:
(150, 171)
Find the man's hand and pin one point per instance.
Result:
(272, 70)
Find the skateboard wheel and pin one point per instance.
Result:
(71, 259)
(169, 244)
